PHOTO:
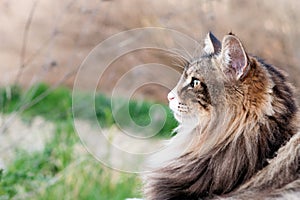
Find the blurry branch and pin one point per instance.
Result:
(25, 41)
(23, 61)
(34, 55)
(67, 75)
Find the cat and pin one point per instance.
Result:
(238, 135)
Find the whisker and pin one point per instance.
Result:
(198, 49)
(183, 52)
(178, 60)
(190, 56)
(179, 53)
(177, 65)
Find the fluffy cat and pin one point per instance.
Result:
(238, 134)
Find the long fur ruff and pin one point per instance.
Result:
(244, 150)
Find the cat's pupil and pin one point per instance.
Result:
(195, 82)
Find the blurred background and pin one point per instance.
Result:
(44, 42)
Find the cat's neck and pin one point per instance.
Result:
(235, 147)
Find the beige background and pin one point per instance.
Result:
(62, 33)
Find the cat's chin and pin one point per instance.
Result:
(178, 117)
(181, 118)
(185, 120)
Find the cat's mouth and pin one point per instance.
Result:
(176, 113)
(182, 116)
(181, 111)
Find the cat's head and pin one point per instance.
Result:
(218, 80)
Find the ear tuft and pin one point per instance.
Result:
(211, 44)
(234, 57)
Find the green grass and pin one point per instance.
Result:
(57, 106)
(56, 172)
(29, 170)
(90, 181)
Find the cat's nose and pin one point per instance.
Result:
(171, 96)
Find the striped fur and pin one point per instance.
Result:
(237, 117)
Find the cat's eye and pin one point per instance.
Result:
(195, 82)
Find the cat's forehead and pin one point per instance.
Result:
(200, 66)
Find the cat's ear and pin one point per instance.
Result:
(211, 44)
(234, 57)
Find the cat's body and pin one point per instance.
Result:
(238, 130)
